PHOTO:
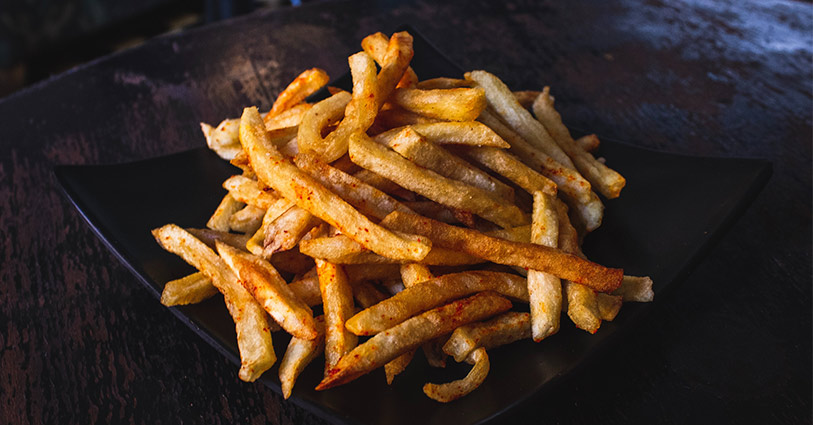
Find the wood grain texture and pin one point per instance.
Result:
(82, 342)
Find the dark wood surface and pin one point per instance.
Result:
(82, 342)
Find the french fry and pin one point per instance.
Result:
(396, 116)
(589, 143)
(209, 237)
(503, 329)
(414, 273)
(292, 183)
(227, 207)
(286, 230)
(341, 249)
(394, 65)
(500, 251)
(366, 294)
(582, 306)
(256, 243)
(307, 290)
(249, 192)
(512, 168)
(397, 365)
(223, 139)
(376, 45)
(608, 305)
(291, 117)
(321, 116)
(190, 289)
(432, 293)
(247, 220)
(428, 155)
(383, 161)
(251, 321)
(337, 302)
(385, 346)
(638, 289)
(604, 179)
(468, 133)
(451, 391)
(304, 85)
(263, 281)
(518, 118)
(298, 355)
(366, 198)
(460, 104)
(443, 83)
(544, 290)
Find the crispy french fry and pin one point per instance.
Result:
(263, 281)
(383, 161)
(376, 45)
(582, 306)
(247, 220)
(428, 155)
(396, 116)
(307, 290)
(190, 289)
(604, 179)
(503, 329)
(288, 118)
(341, 249)
(637, 289)
(250, 192)
(323, 115)
(545, 290)
(251, 321)
(460, 104)
(468, 133)
(256, 243)
(304, 85)
(432, 293)
(366, 198)
(292, 183)
(227, 207)
(366, 294)
(385, 346)
(413, 273)
(451, 391)
(512, 168)
(518, 118)
(287, 229)
(537, 257)
(397, 365)
(298, 355)
(223, 139)
(394, 65)
(337, 302)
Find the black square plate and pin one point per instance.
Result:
(671, 212)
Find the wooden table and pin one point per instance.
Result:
(82, 342)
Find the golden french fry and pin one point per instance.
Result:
(247, 220)
(413, 273)
(251, 321)
(437, 211)
(190, 289)
(544, 290)
(298, 355)
(500, 251)
(291, 117)
(608, 305)
(304, 85)
(428, 155)
(604, 179)
(394, 65)
(469, 133)
(503, 329)
(321, 116)
(341, 249)
(518, 118)
(460, 104)
(291, 261)
(366, 198)
(256, 243)
(383, 184)
(451, 391)
(396, 116)
(227, 207)
(294, 184)
(250, 192)
(287, 229)
(432, 293)
(376, 45)
(410, 334)
(514, 234)
(263, 281)
(223, 139)
(307, 290)
(636, 289)
(383, 161)
(512, 168)
(337, 302)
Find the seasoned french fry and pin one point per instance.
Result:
(292, 183)
(428, 155)
(223, 139)
(537, 257)
(385, 346)
(366, 198)
(263, 281)
(190, 289)
(396, 116)
(460, 104)
(304, 85)
(397, 365)
(469, 133)
(383, 161)
(307, 290)
(604, 179)
(247, 220)
(544, 290)
(286, 230)
(227, 207)
(255, 244)
(323, 115)
(413, 273)
(249, 192)
(337, 302)
(582, 307)
(518, 118)
(636, 289)
(512, 168)
(503, 329)
(432, 293)
(394, 65)
(251, 321)
(376, 45)
(451, 391)
(341, 249)
(298, 355)
(291, 117)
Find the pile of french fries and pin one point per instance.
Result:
(443, 214)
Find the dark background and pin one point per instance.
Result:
(82, 342)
